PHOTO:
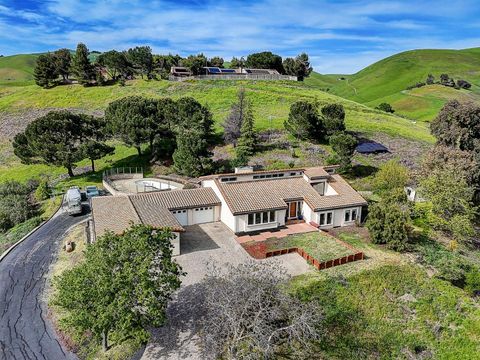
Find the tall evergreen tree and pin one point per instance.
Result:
(141, 59)
(248, 139)
(81, 66)
(192, 156)
(344, 146)
(63, 62)
(45, 72)
(333, 118)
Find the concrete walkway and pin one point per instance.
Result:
(200, 246)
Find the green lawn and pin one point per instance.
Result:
(321, 247)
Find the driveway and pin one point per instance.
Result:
(199, 246)
(25, 331)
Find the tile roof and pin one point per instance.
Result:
(118, 220)
(177, 199)
(258, 195)
(117, 213)
(316, 172)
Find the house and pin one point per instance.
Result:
(245, 201)
(180, 71)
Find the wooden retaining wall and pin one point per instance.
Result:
(319, 265)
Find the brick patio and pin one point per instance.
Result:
(288, 230)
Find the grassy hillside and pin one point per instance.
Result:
(386, 81)
(17, 69)
(271, 102)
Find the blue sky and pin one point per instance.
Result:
(340, 36)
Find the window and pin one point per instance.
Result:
(326, 218)
(263, 217)
(228, 179)
(347, 215)
(293, 173)
(354, 214)
(281, 175)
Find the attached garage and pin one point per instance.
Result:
(203, 215)
(181, 216)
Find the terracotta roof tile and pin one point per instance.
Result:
(258, 195)
(177, 199)
(114, 213)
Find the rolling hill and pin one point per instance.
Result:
(387, 80)
(17, 69)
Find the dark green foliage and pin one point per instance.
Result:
(430, 79)
(163, 63)
(333, 118)
(51, 139)
(237, 63)
(15, 206)
(45, 72)
(452, 202)
(446, 80)
(62, 60)
(193, 126)
(472, 282)
(195, 63)
(123, 286)
(389, 221)
(95, 150)
(131, 120)
(141, 59)
(192, 156)
(82, 69)
(43, 191)
(248, 139)
(116, 64)
(304, 121)
(344, 146)
(265, 60)
(385, 107)
(299, 67)
(216, 61)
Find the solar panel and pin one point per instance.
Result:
(371, 147)
(214, 70)
(227, 70)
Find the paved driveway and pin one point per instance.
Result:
(25, 332)
(200, 245)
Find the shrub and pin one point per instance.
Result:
(472, 282)
(344, 146)
(385, 107)
(392, 175)
(43, 191)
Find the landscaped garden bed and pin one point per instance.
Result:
(319, 249)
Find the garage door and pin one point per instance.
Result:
(203, 215)
(181, 216)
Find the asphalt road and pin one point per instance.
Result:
(25, 331)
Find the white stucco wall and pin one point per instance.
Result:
(222, 214)
(242, 222)
(338, 217)
(307, 213)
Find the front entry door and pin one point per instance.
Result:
(292, 210)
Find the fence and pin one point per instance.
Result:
(126, 171)
(235, 77)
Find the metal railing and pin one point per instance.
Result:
(121, 171)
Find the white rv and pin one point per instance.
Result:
(73, 201)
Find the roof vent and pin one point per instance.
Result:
(244, 170)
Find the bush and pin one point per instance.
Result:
(472, 282)
(15, 206)
(385, 107)
(392, 175)
(43, 191)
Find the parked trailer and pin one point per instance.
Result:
(73, 201)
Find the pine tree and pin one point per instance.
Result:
(192, 156)
(81, 66)
(248, 139)
(45, 72)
